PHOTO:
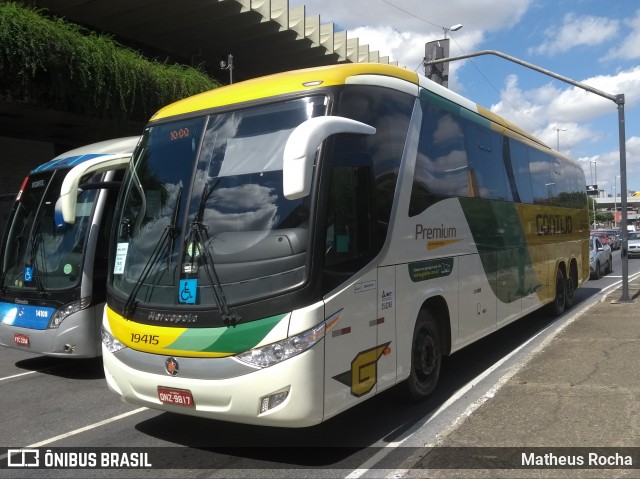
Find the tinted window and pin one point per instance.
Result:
(363, 172)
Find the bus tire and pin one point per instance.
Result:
(426, 358)
(559, 301)
(572, 285)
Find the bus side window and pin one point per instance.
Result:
(349, 229)
(519, 155)
(442, 167)
(350, 232)
(488, 178)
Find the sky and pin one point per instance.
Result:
(592, 42)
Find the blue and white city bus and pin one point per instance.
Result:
(54, 252)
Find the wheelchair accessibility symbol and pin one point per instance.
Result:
(187, 293)
(28, 273)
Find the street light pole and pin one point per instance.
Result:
(558, 130)
(453, 28)
(619, 101)
(595, 167)
(615, 200)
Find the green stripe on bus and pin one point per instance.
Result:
(496, 228)
(235, 339)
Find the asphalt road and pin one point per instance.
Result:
(52, 404)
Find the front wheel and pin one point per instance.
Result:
(426, 358)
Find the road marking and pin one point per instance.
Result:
(18, 375)
(458, 394)
(82, 429)
(34, 371)
(406, 465)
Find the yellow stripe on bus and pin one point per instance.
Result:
(152, 339)
(281, 83)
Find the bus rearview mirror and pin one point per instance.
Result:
(302, 146)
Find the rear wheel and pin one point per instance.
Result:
(426, 358)
(572, 285)
(598, 273)
(559, 302)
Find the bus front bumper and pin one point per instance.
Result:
(76, 337)
(240, 399)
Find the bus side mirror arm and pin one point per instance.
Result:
(302, 145)
(65, 208)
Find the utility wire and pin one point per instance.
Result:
(503, 98)
(411, 14)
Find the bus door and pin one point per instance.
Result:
(386, 366)
(350, 346)
(352, 349)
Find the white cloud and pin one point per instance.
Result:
(539, 108)
(605, 168)
(629, 49)
(401, 31)
(416, 16)
(577, 31)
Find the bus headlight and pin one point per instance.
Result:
(266, 356)
(67, 310)
(110, 342)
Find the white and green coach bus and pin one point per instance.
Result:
(286, 247)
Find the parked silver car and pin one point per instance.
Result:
(600, 258)
(633, 242)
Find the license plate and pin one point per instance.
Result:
(176, 397)
(21, 339)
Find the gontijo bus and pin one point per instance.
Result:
(287, 247)
(54, 261)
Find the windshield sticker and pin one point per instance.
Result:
(425, 270)
(28, 274)
(121, 258)
(68, 268)
(193, 249)
(187, 294)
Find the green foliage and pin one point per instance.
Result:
(52, 63)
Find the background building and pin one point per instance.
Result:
(52, 99)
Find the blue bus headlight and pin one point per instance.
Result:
(67, 310)
(110, 342)
(274, 353)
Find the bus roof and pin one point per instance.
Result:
(310, 78)
(88, 152)
(281, 83)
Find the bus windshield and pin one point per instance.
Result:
(37, 254)
(203, 214)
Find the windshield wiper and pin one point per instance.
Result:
(33, 263)
(170, 232)
(197, 227)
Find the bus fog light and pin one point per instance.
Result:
(273, 400)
